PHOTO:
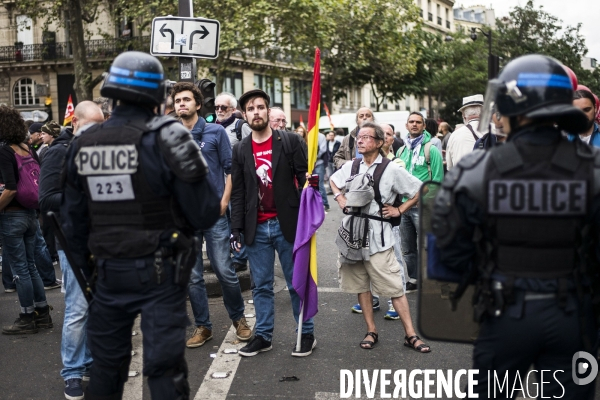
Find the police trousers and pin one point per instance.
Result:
(544, 337)
(124, 289)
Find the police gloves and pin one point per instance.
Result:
(235, 241)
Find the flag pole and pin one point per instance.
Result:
(299, 335)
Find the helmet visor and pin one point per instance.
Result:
(489, 105)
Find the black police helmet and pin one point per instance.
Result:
(538, 87)
(135, 77)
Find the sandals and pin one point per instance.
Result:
(367, 344)
(410, 342)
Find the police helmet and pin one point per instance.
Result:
(135, 77)
(536, 87)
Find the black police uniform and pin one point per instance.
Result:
(130, 184)
(534, 205)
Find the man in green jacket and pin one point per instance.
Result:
(425, 163)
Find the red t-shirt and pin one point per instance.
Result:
(262, 153)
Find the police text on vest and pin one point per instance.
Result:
(107, 160)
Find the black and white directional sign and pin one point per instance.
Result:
(185, 37)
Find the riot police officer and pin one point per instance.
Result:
(135, 193)
(520, 218)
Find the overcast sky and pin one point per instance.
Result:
(570, 12)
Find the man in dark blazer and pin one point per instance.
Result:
(268, 167)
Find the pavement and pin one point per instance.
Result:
(30, 364)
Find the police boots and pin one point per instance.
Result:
(24, 324)
(42, 317)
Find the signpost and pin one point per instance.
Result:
(185, 37)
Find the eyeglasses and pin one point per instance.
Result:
(222, 108)
(279, 121)
(366, 137)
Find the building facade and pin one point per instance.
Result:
(36, 64)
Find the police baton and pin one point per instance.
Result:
(83, 284)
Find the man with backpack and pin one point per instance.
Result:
(237, 128)
(365, 238)
(425, 163)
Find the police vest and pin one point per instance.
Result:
(537, 199)
(127, 217)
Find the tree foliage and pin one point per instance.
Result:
(374, 42)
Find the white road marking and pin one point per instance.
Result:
(134, 387)
(329, 290)
(217, 389)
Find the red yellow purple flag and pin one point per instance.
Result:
(311, 213)
(69, 112)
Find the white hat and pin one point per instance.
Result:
(475, 100)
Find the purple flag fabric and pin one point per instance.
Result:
(310, 218)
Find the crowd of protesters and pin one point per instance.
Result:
(259, 210)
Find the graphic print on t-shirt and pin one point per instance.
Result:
(262, 153)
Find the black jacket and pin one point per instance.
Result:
(244, 195)
(50, 190)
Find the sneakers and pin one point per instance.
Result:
(256, 345)
(42, 317)
(411, 287)
(55, 285)
(356, 308)
(307, 344)
(73, 389)
(238, 267)
(10, 290)
(201, 335)
(391, 313)
(24, 324)
(242, 330)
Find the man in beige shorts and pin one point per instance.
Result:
(372, 263)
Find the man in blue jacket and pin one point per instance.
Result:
(216, 149)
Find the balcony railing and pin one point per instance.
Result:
(101, 48)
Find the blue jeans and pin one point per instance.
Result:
(43, 260)
(75, 354)
(7, 276)
(320, 170)
(19, 228)
(261, 255)
(217, 247)
(409, 238)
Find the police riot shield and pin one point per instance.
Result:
(437, 318)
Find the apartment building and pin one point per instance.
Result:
(36, 65)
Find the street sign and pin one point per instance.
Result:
(185, 37)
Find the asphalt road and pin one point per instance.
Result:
(30, 364)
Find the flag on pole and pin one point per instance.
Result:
(328, 116)
(311, 213)
(302, 122)
(69, 112)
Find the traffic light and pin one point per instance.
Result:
(207, 87)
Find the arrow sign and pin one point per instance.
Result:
(203, 32)
(189, 37)
(162, 32)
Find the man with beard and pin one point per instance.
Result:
(216, 150)
(584, 100)
(424, 168)
(348, 151)
(264, 207)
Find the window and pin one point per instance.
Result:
(593, 63)
(439, 20)
(24, 93)
(232, 83)
(272, 86)
(300, 94)
(430, 16)
(448, 24)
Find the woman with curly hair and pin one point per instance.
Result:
(18, 225)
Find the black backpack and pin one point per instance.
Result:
(239, 124)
